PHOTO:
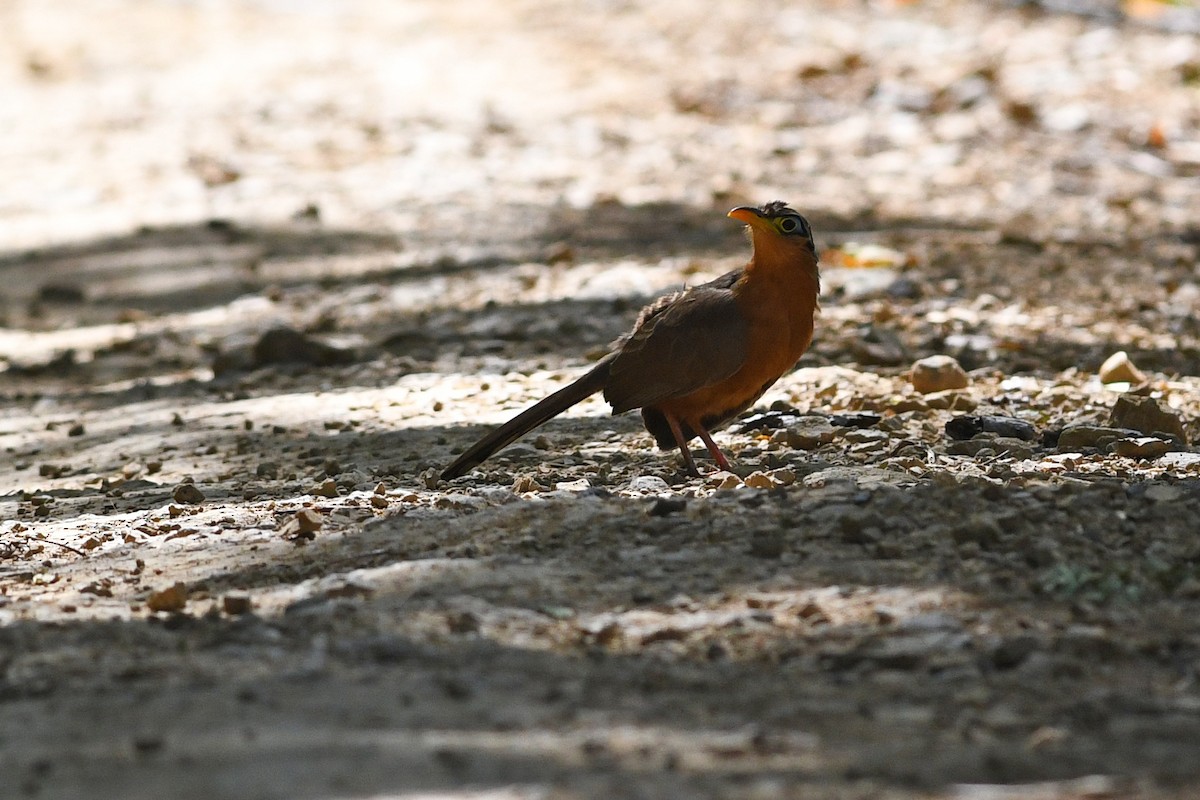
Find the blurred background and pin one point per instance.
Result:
(174, 154)
(133, 112)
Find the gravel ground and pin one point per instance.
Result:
(270, 266)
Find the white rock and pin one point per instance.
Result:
(648, 484)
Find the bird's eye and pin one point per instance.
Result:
(789, 225)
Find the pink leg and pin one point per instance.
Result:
(683, 448)
(717, 455)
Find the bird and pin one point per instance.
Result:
(698, 357)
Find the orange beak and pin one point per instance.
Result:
(751, 216)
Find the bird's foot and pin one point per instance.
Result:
(717, 455)
(689, 464)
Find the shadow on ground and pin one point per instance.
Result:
(515, 647)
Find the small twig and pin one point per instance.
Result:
(48, 541)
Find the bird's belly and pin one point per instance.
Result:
(773, 355)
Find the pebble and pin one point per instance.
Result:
(430, 477)
(950, 399)
(861, 436)
(461, 500)
(1009, 427)
(1143, 447)
(759, 480)
(648, 484)
(665, 506)
(1145, 415)
(521, 450)
(783, 476)
(525, 483)
(236, 604)
(1076, 437)
(173, 598)
(285, 345)
(724, 480)
(775, 419)
(806, 433)
(327, 488)
(1117, 368)
(855, 419)
(865, 449)
(847, 476)
(303, 525)
(1008, 445)
(966, 426)
(906, 405)
(307, 520)
(187, 494)
(937, 374)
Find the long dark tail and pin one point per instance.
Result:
(530, 418)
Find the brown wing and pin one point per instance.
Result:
(681, 344)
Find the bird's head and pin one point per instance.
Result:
(776, 228)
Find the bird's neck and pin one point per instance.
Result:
(787, 265)
(781, 284)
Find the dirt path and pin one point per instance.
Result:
(268, 266)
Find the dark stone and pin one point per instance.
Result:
(965, 426)
(187, 494)
(665, 506)
(288, 346)
(1145, 415)
(1011, 653)
(767, 421)
(858, 419)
